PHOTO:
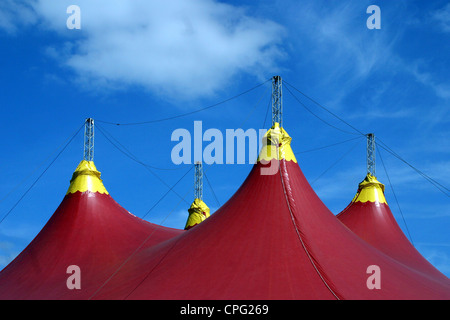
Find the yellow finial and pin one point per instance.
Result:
(276, 139)
(370, 190)
(198, 212)
(86, 178)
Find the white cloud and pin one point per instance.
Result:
(441, 90)
(14, 14)
(442, 16)
(177, 47)
(22, 231)
(334, 39)
(374, 113)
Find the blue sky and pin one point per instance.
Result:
(135, 61)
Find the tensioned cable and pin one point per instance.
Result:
(254, 108)
(165, 255)
(315, 115)
(40, 176)
(329, 146)
(162, 258)
(187, 113)
(171, 189)
(212, 190)
(128, 153)
(436, 184)
(149, 236)
(182, 198)
(297, 231)
(33, 172)
(151, 270)
(335, 163)
(326, 109)
(132, 157)
(134, 252)
(395, 197)
(267, 112)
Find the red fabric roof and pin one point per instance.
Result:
(374, 222)
(88, 229)
(274, 239)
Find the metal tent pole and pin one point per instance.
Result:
(371, 169)
(89, 140)
(277, 101)
(198, 181)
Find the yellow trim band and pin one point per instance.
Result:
(276, 138)
(370, 190)
(198, 212)
(86, 178)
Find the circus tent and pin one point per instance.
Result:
(368, 215)
(273, 239)
(89, 230)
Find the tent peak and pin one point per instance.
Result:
(86, 178)
(370, 189)
(198, 212)
(276, 145)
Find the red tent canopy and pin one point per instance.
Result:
(274, 239)
(90, 230)
(369, 216)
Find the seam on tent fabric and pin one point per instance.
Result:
(300, 237)
(152, 269)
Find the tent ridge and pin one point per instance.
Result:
(313, 261)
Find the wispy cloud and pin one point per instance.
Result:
(334, 41)
(15, 14)
(175, 48)
(442, 16)
(21, 231)
(376, 113)
(13, 241)
(442, 90)
(347, 57)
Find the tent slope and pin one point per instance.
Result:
(369, 216)
(246, 250)
(273, 239)
(89, 230)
